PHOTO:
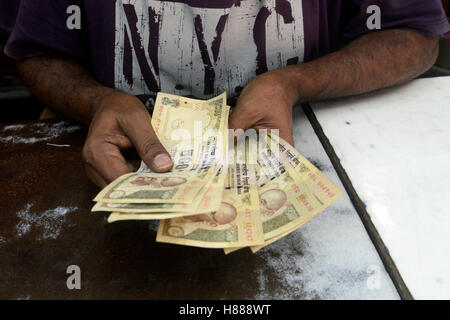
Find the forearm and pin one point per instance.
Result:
(373, 61)
(63, 85)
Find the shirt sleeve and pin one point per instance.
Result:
(8, 14)
(426, 17)
(41, 28)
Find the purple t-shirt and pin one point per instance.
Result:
(8, 14)
(202, 47)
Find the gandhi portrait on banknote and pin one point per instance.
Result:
(271, 201)
(226, 214)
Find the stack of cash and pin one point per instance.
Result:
(227, 189)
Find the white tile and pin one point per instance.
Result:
(395, 146)
(331, 257)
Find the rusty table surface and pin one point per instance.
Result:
(46, 225)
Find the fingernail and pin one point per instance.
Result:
(162, 160)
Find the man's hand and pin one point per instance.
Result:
(266, 103)
(121, 121)
(118, 121)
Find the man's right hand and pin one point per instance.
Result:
(120, 122)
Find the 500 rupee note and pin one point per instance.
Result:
(170, 187)
(311, 196)
(236, 223)
(209, 200)
(291, 191)
(192, 131)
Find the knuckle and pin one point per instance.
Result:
(87, 153)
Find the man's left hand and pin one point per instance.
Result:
(266, 103)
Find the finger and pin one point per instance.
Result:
(119, 140)
(288, 138)
(138, 128)
(240, 119)
(111, 164)
(107, 161)
(284, 126)
(286, 130)
(283, 131)
(126, 150)
(286, 135)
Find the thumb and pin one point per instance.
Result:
(147, 144)
(286, 135)
(154, 154)
(240, 119)
(283, 131)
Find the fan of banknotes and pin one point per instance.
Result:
(227, 189)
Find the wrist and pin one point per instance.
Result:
(111, 98)
(97, 97)
(286, 79)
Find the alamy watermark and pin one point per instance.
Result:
(373, 22)
(223, 148)
(74, 280)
